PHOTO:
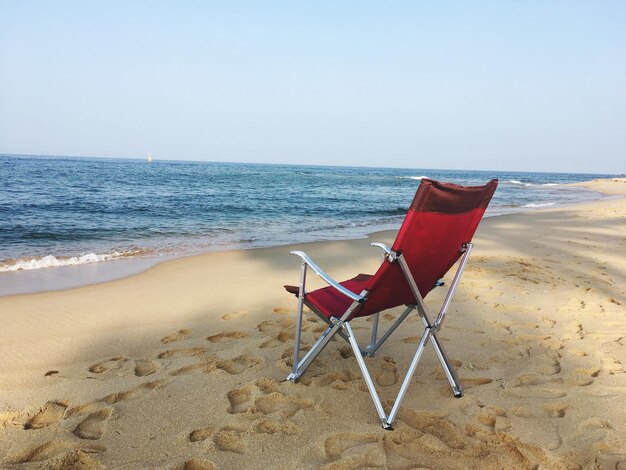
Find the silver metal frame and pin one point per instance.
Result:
(340, 325)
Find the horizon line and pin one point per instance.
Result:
(156, 160)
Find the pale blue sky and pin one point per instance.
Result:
(537, 86)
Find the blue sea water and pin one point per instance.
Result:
(57, 211)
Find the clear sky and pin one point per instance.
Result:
(501, 85)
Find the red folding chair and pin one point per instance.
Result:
(436, 232)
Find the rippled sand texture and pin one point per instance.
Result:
(182, 367)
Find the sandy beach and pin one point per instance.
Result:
(182, 366)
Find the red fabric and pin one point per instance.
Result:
(449, 198)
(430, 242)
(329, 301)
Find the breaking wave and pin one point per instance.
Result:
(51, 261)
(536, 205)
(521, 183)
(412, 177)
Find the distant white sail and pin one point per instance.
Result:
(150, 158)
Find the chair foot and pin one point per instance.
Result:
(386, 425)
(292, 377)
(458, 393)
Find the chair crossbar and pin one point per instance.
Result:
(371, 350)
(326, 320)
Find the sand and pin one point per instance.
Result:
(182, 366)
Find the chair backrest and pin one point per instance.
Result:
(441, 219)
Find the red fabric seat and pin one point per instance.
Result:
(328, 301)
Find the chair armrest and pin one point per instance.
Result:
(382, 246)
(329, 280)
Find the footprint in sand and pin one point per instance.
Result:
(337, 444)
(239, 364)
(388, 373)
(522, 412)
(178, 336)
(75, 459)
(198, 464)
(239, 399)
(555, 410)
(283, 336)
(210, 363)
(475, 381)
(269, 343)
(264, 396)
(8, 418)
(430, 440)
(186, 352)
(592, 430)
(85, 408)
(202, 434)
(276, 427)
(281, 310)
(234, 315)
(227, 335)
(412, 339)
(284, 405)
(267, 384)
(342, 352)
(547, 366)
(134, 393)
(229, 440)
(582, 377)
(338, 380)
(529, 379)
(488, 421)
(51, 413)
(275, 326)
(354, 450)
(111, 364)
(435, 425)
(145, 367)
(55, 448)
(612, 366)
(94, 425)
(206, 365)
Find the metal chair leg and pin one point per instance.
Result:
(366, 375)
(409, 376)
(296, 346)
(451, 375)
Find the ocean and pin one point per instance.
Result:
(61, 211)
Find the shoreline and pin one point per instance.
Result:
(26, 282)
(184, 363)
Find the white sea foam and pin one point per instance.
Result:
(535, 205)
(51, 261)
(413, 177)
(520, 183)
